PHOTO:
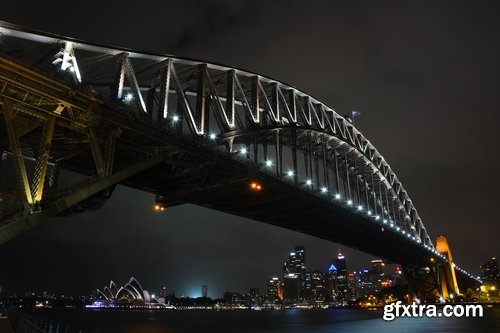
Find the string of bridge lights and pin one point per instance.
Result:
(359, 209)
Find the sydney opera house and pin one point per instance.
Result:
(130, 294)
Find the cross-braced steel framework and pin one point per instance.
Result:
(255, 120)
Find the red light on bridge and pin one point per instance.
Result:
(254, 186)
(382, 229)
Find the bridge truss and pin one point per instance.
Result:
(111, 114)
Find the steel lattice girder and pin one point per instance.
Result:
(264, 101)
(231, 102)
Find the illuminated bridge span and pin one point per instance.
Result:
(190, 131)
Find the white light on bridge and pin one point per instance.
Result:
(129, 97)
(385, 221)
(360, 207)
(290, 173)
(175, 119)
(349, 202)
(369, 213)
(324, 189)
(212, 136)
(269, 163)
(337, 196)
(377, 217)
(309, 182)
(243, 150)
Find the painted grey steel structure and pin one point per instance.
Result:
(276, 127)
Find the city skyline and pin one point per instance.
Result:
(293, 264)
(417, 86)
(205, 288)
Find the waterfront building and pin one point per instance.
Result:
(315, 286)
(132, 292)
(291, 288)
(204, 290)
(489, 271)
(378, 266)
(331, 283)
(343, 293)
(294, 271)
(274, 291)
(353, 284)
(233, 299)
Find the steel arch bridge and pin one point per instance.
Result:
(191, 131)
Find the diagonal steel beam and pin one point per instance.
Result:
(17, 153)
(21, 223)
(97, 153)
(42, 160)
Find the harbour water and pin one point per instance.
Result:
(290, 321)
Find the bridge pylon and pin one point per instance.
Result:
(447, 277)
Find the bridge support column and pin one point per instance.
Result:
(447, 277)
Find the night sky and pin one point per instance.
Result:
(424, 74)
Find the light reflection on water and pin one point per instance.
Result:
(290, 321)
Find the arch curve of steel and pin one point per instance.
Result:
(243, 113)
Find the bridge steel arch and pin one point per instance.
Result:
(124, 105)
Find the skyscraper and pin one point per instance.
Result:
(294, 270)
(342, 287)
(331, 283)
(315, 286)
(204, 290)
(274, 290)
(296, 262)
(489, 272)
(378, 266)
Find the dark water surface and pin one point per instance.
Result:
(105, 321)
